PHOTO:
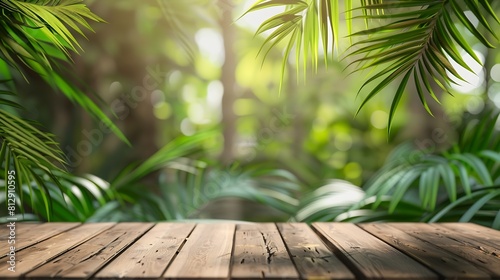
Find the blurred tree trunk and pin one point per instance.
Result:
(116, 55)
(233, 207)
(229, 82)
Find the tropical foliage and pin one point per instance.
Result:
(185, 187)
(37, 36)
(403, 43)
(409, 39)
(458, 184)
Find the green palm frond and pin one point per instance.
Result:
(72, 199)
(57, 195)
(187, 186)
(31, 30)
(481, 206)
(38, 34)
(303, 26)
(417, 42)
(470, 165)
(458, 184)
(327, 202)
(341, 201)
(420, 43)
(30, 153)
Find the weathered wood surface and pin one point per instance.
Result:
(28, 234)
(206, 254)
(312, 258)
(150, 255)
(368, 256)
(259, 252)
(251, 251)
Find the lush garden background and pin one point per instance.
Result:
(232, 109)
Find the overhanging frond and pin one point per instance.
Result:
(304, 26)
(30, 153)
(419, 43)
(38, 34)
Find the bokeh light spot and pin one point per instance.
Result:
(244, 106)
(379, 119)
(352, 170)
(157, 97)
(343, 142)
(187, 127)
(162, 110)
(495, 72)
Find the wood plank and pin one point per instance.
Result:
(474, 232)
(21, 227)
(443, 262)
(259, 252)
(206, 253)
(84, 260)
(369, 257)
(38, 254)
(312, 258)
(455, 244)
(149, 256)
(481, 241)
(21, 230)
(28, 234)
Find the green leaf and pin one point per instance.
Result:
(467, 216)
(465, 21)
(477, 165)
(401, 67)
(87, 104)
(402, 186)
(397, 98)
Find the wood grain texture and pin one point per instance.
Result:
(105, 251)
(259, 252)
(446, 264)
(367, 256)
(454, 243)
(84, 260)
(28, 234)
(311, 257)
(38, 254)
(21, 229)
(149, 256)
(477, 233)
(206, 253)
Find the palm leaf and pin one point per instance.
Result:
(73, 198)
(459, 170)
(435, 49)
(418, 37)
(304, 25)
(38, 34)
(481, 206)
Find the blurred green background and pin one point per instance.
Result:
(199, 72)
(159, 90)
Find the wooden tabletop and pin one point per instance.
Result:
(249, 251)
